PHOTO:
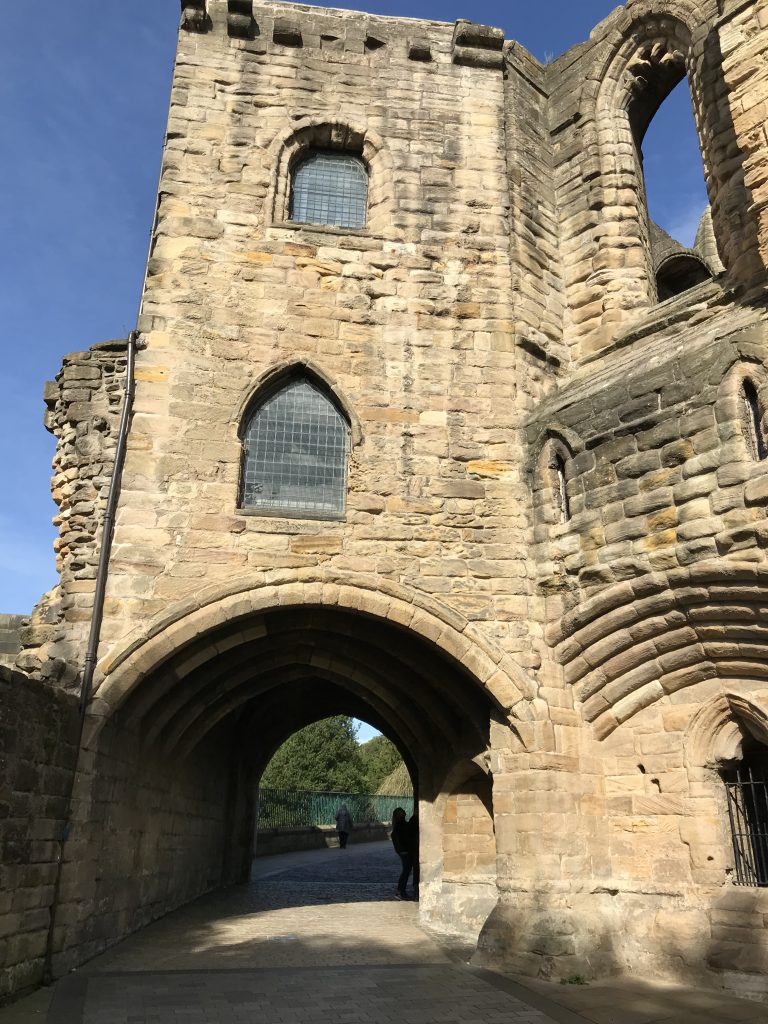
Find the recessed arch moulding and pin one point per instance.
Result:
(184, 720)
(346, 136)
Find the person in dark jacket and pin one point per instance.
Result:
(343, 825)
(401, 840)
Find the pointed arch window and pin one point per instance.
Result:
(295, 453)
(559, 487)
(554, 472)
(752, 421)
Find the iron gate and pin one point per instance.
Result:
(747, 789)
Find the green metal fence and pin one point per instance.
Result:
(287, 808)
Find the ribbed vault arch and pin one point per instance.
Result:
(222, 618)
(264, 674)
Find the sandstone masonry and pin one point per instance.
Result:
(549, 583)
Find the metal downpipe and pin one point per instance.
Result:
(89, 664)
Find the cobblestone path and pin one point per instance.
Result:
(315, 937)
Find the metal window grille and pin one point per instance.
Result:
(330, 188)
(747, 789)
(296, 446)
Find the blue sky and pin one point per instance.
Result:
(83, 102)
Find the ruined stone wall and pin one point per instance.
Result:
(602, 96)
(145, 837)
(536, 285)
(744, 222)
(83, 411)
(663, 490)
(655, 584)
(38, 741)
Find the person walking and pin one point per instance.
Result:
(401, 842)
(344, 825)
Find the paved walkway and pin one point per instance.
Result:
(317, 937)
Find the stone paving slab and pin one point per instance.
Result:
(430, 994)
(32, 1009)
(319, 936)
(627, 1000)
(311, 939)
(336, 910)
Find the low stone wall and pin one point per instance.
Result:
(144, 838)
(288, 840)
(38, 746)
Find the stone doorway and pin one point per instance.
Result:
(166, 801)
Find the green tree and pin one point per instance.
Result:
(322, 756)
(380, 757)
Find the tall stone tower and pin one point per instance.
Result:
(434, 427)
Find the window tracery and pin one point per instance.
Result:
(295, 453)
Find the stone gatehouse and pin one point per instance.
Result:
(431, 426)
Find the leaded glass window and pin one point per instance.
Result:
(295, 459)
(330, 188)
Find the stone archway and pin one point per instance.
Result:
(182, 721)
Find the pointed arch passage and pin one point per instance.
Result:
(295, 453)
(225, 685)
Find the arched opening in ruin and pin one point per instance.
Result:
(678, 273)
(653, 155)
(174, 769)
(673, 173)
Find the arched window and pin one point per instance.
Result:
(553, 472)
(329, 187)
(678, 273)
(559, 488)
(295, 447)
(747, 790)
(752, 421)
